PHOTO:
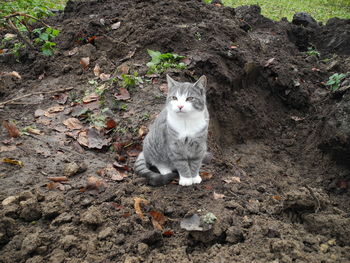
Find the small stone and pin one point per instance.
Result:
(68, 241)
(130, 259)
(30, 243)
(247, 222)
(332, 242)
(9, 200)
(272, 232)
(324, 248)
(30, 210)
(151, 237)
(71, 169)
(53, 209)
(62, 219)
(234, 235)
(93, 216)
(142, 248)
(104, 233)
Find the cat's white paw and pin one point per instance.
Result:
(184, 181)
(197, 179)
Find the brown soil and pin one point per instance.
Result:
(277, 133)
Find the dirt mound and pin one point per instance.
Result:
(276, 185)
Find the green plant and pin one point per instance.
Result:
(161, 62)
(335, 80)
(130, 81)
(146, 116)
(45, 35)
(312, 52)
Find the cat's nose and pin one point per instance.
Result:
(180, 106)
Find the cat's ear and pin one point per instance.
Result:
(201, 84)
(171, 82)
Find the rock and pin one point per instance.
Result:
(11, 211)
(104, 233)
(10, 200)
(36, 259)
(73, 168)
(30, 210)
(7, 229)
(142, 248)
(247, 222)
(234, 235)
(57, 256)
(93, 216)
(68, 241)
(151, 237)
(324, 248)
(302, 18)
(130, 259)
(272, 232)
(30, 243)
(62, 219)
(52, 209)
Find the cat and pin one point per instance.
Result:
(177, 140)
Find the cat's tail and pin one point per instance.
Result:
(155, 179)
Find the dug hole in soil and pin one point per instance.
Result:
(278, 182)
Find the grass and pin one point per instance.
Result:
(321, 10)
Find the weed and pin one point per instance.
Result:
(131, 81)
(312, 52)
(198, 36)
(45, 35)
(335, 80)
(146, 116)
(161, 62)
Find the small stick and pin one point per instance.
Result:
(26, 15)
(34, 93)
(12, 27)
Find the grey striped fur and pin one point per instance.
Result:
(166, 148)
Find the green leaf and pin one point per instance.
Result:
(44, 36)
(47, 52)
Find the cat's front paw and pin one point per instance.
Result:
(197, 179)
(184, 181)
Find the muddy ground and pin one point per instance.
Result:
(278, 182)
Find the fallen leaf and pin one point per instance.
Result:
(112, 173)
(39, 113)
(73, 124)
(97, 70)
(105, 77)
(33, 131)
(168, 233)
(94, 183)
(71, 52)
(121, 166)
(232, 179)
(7, 148)
(58, 179)
(53, 109)
(91, 97)
(14, 74)
(233, 47)
(206, 175)
(12, 161)
(11, 129)
(142, 131)
(123, 94)
(269, 62)
(110, 124)
(84, 62)
(186, 60)
(83, 139)
(218, 196)
(43, 120)
(91, 40)
(55, 185)
(137, 206)
(61, 98)
(123, 69)
(115, 25)
(158, 219)
(315, 69)
(96, 139)
(164, 88)
(277, 197)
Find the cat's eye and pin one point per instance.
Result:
(173, 97)
(190, 99)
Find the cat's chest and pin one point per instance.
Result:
(187, 127)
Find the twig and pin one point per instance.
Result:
(315, 198)
(34, 93)
(12, 27)
(26, 15)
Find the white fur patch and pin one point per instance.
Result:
(185, 181)
(197, 179)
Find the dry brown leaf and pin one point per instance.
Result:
(94, 183)
(43, 120)
(97, 70)
(83, 139)
(91, 97)
(110, 124)
(123, 69)
(52, 110)
(55, 185)
(7, 148)
(73, 124)
(104, 76)
(232, 179)
(277, 197)
(269, 62)
(115, 25)
(58, 179)
(71, 52)
(142, 131)
(11, 129)
(34, 131)
(158, 220)
(112, 173)
(206, 175)
(14, 74)
(168, 233)
(218, 196)
(164, 88)
(84, 62)
(137, 206)
(12, 161)
(123, 94)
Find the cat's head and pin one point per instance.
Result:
(184, 97)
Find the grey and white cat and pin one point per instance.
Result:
(177, 140)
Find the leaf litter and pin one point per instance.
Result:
(11, 129)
